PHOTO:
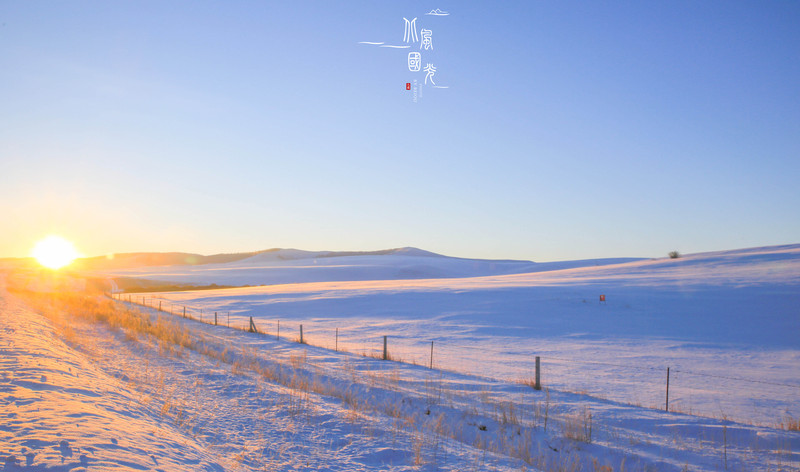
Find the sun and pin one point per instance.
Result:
(54, 252)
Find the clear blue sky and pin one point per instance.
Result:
(569, 129)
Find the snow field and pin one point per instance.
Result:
(725, 325)
(252, 401)
(254, 414)
(514, 412)
(59, 411)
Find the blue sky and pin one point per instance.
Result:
(569, 129)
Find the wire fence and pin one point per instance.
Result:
(674, 388)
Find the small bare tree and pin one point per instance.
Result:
(674, 255)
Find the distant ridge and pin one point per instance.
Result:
(295, 254)
(131, 260)
(291, 266)
(148, 259)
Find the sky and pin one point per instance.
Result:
(567, 130)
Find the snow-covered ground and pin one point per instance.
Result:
(60, 411)
(725, 323)
(285, 266)
(78, 395)
(87, 397)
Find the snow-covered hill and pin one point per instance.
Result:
(284, 266)
(702, 313)
(77, 395)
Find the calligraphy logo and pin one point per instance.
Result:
(414, 61)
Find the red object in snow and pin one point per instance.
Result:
(602, 298)
(408, 85)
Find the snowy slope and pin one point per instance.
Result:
(244, 401)
(731, 314)
(295, 266)
(60, 412)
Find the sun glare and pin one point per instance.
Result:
(54, 252)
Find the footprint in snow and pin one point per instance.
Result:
(63, 446)
(28, 456)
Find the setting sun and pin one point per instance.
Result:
(54, 252)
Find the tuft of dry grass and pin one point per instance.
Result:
(596, 467)
(789, 423)
(578, 426)
(416, 446)
(298, 361)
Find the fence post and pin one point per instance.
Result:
(336, 346)
(301, 334)
(252, 326)
(666, 403)
(385, 354)
(159, 305)
(537, 384)
(431, 355)
(215, 318)
(184, 312)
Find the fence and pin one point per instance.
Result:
(669, 387)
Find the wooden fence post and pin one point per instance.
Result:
(252, 326)
(184, 312)
(385, 353)
(666, 404)
(301, 334)
(537, 384)
(215, 318)
(159, 305)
